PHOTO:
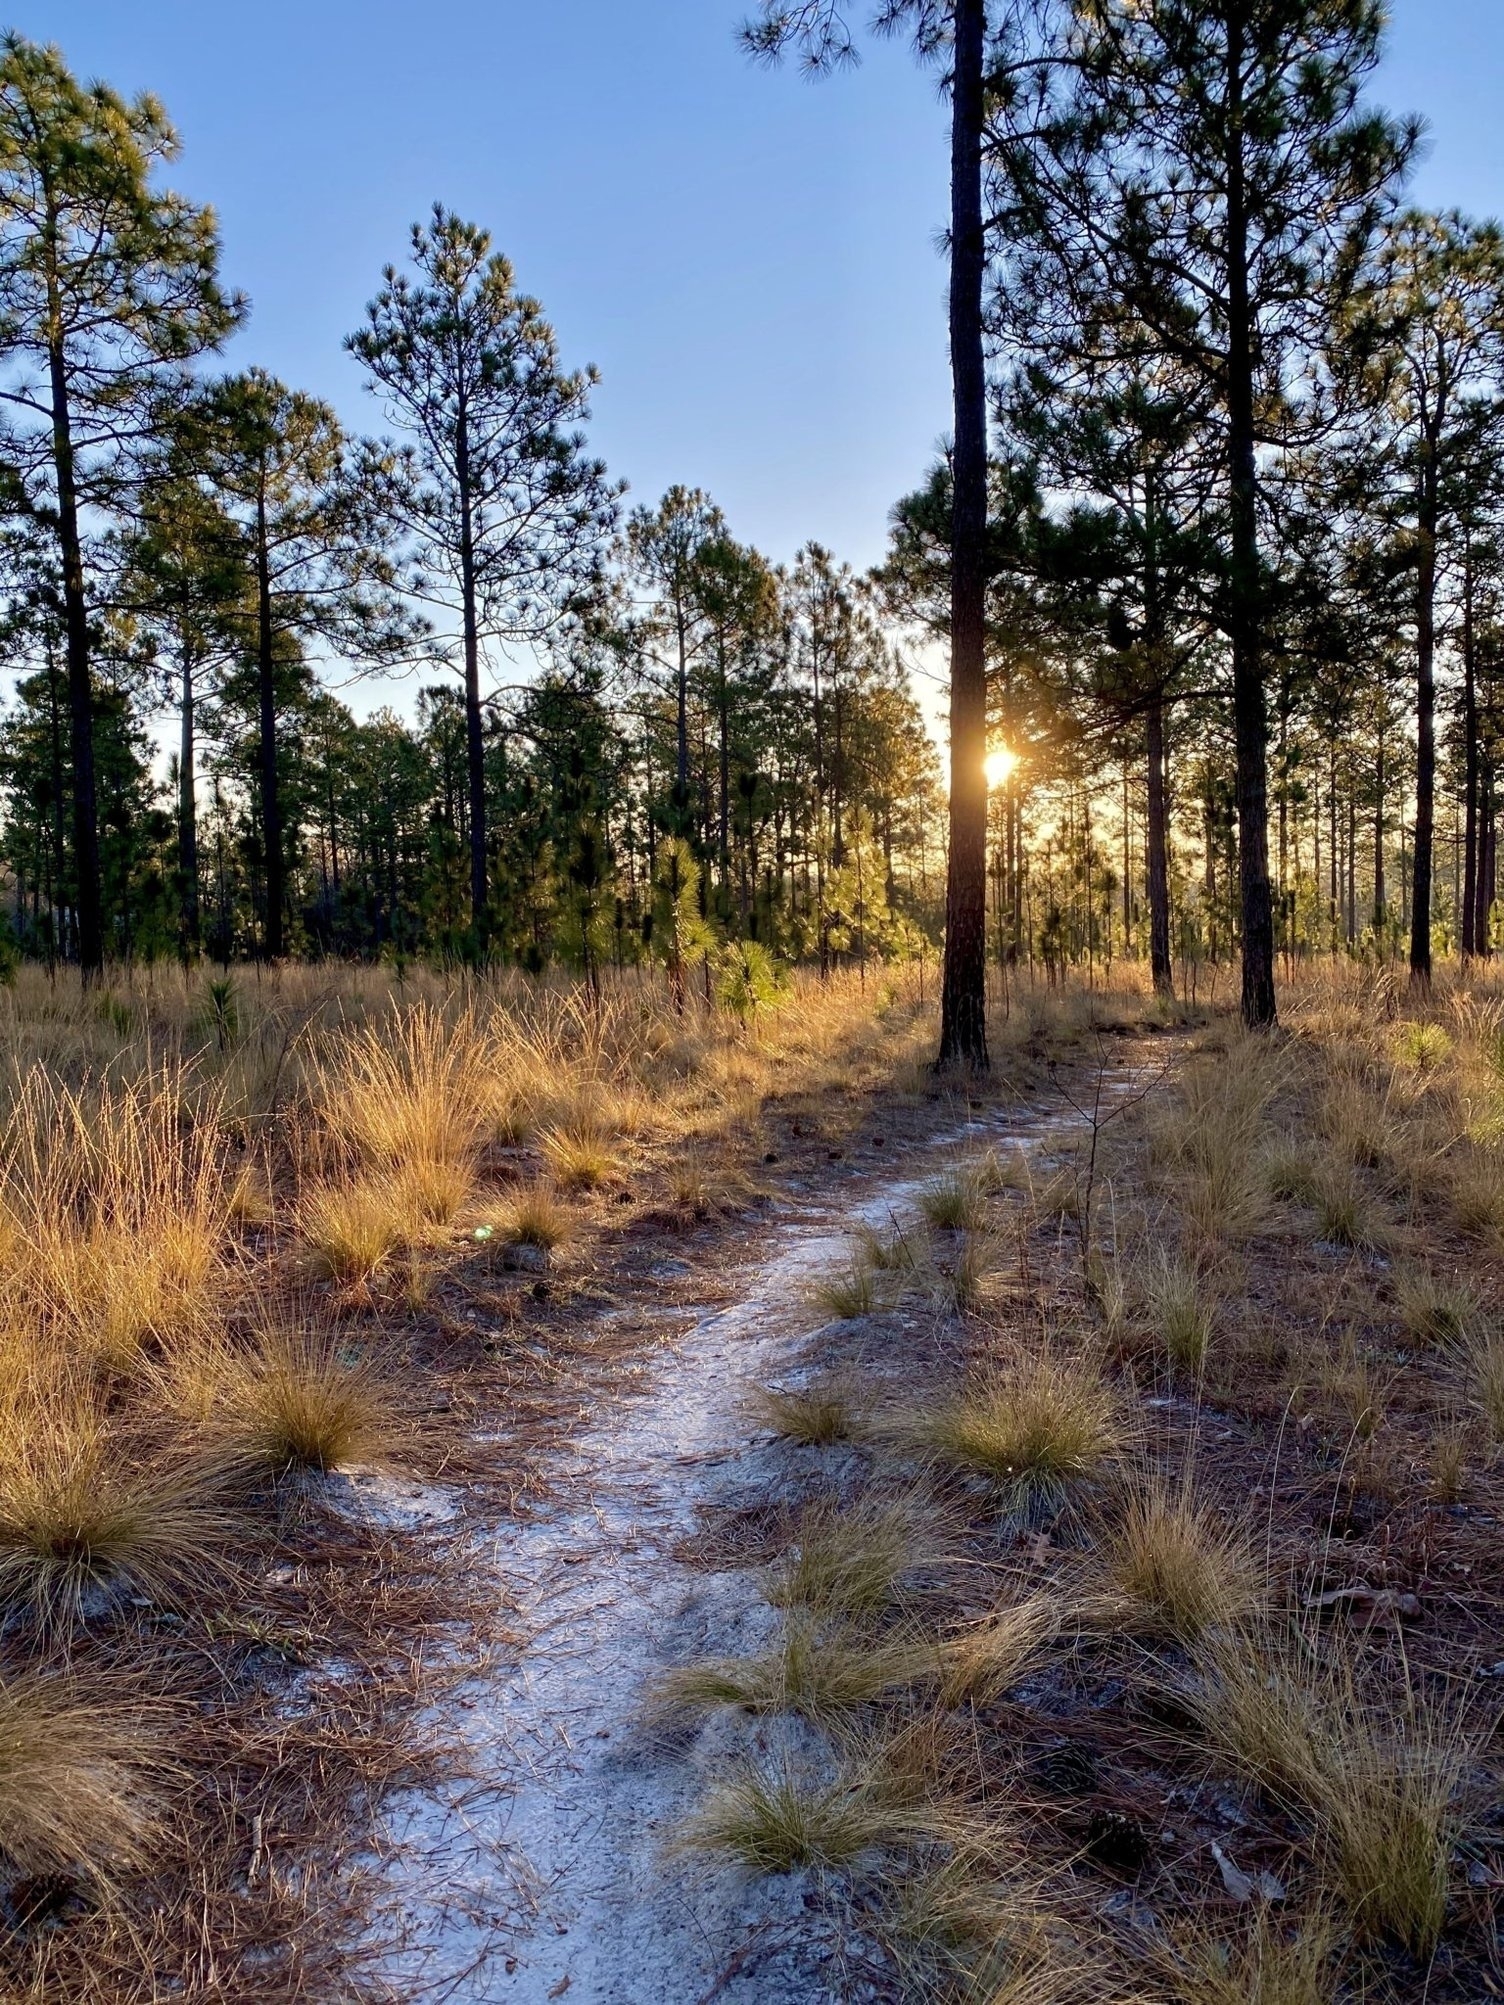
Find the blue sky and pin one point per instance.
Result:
(750, 258)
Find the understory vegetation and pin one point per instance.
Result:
(1145, 1608)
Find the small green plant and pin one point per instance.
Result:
(1425, 1046)
(220, 1014)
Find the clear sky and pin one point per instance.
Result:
(750, 258)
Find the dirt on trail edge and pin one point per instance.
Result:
(547, 1868)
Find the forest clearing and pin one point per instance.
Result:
(564, 1491)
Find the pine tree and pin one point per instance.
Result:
(1211, 165)
(277, 461)
(503, 513)
(107, 285)
(957, 32)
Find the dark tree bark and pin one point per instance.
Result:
(475, 742)
(1245, 592)
(1158, 853)
(1469, 766)
(963, 1002)
(273, 939)
(188, 817)
(90, 923)
(1427, 511)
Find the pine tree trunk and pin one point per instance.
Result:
(1245, 596)
(963, 1002)
(90, 918)
(475, 742)
(1425, 730)
(1158, 858)
(271, 799)
(1469, 767)
(188, 817)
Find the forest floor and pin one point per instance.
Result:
(550, 1864)
(512, 1496)
(1045, 1555)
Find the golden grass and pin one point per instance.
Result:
(413, 1092)
(534, 1216)
(980, 1662)
(74, 1798)
(1271, 1961)
(83, 1510)
(1181, 1570)
(814, 1415)
(353, 1229)
(848, 1558)
(298, 1396)
(582, 1156)
(818, 1670)
(1379, 1783)
(776, 1821)
(1032, 1428)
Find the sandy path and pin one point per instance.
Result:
(545, 1875)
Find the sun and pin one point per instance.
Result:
(999, 765)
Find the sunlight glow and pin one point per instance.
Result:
(999, 765)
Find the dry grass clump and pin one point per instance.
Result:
(814, 1415)
(1183, 1309)
(534, 1216)
(1345, 1213)
(855, 1289)
(703, 1184)
(115, 1208)
(1208, 1136)
(581, 1155)
(73, 1795)
(353, 1229)
(957, 1202)
(415, 1089)
(777, 1821)
(1291, 1171)
(962, 1279)
(1271, 1962)
(981, 1661)
(847, 1558)
(1434, 1310)
(1483, 1360)
(298, 1397)
(1362, 1128)
(85, 1508)
(1182, 1571)
(1032, 1428)
(1475, 1184)
(819, 1670)
(1379, 1784)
